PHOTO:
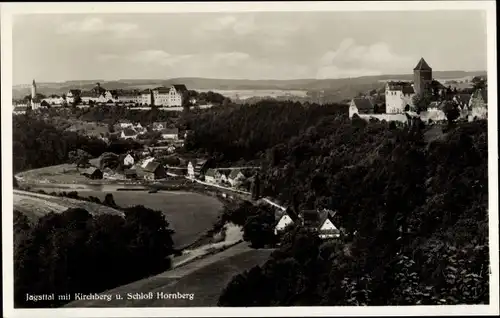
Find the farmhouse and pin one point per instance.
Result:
(128, 160)
(236, 177)
(93, 173)
(170, 133)
(360, 106)
(284, 219)
(320, 221)
(153, 171)
(211, 176)
(129, 133)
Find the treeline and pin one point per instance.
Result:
(37, 144)
(248, 131)
(412, 207)
(76, 252)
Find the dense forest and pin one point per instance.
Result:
(248, 131)
(412, 203)
(413, 208)
(76, 252)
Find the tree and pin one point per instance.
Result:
(451, 111)
(259, 229)
(421, 102)
(109, 200)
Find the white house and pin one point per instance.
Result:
(170, 134)
(320, 221)
(146, 97)
(175, 95)
(161, 96)
(211, 176)
(54, 100)
(190, 170)
(128, 160)
(360, 106)
(284, 219)
(236, 177)
(129, 133)
(72, 94)
(398, 97)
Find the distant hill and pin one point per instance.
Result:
(329, 85)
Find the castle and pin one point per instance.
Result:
(399, 95)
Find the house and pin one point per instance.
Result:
(479, 104)
(190, 170)
(212, 175)
(158, 126)
(146, 97)
(128, 160)
(72, 95)
(153, 171)
(176, 95)
(93, 173)
(130, 173)
(127, 96)
(320, 221)
(126, 125)
(236, 177)
(197, 168)
(284, 219)
(462, 100)
(106, 97)
(129, 133)
(20, 110)
(89, 96)
(223, 176)
(360, 106)
(161, 96)
(170, 133)
(54, 100)
(398, 97)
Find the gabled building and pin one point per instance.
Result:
(320, 221)
(153, 171)
(129, 160)
(479, 104)
(398, 97)
(360, 106)
(211, 176)
(129, 133)
(176, 95)
(89, 96)
(196, 169)
(462, 100)
(146, 97)
(284, 219)
(93, 173)
(72, 95)
(236, 177)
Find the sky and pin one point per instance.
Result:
(251, 45)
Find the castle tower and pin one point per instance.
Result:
(422, 77)
(33, 90)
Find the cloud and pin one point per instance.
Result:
(96, 25)
(159, 57)
(351, 60)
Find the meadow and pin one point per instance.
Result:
(205, 278)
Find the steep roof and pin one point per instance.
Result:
(315, 218)
(363, 103)
(234, 173)
(463, 98)
(211, 173)
(91, 170)
(129, 132)
(288, 212)
(151, 166)
(481, 93)
(422, 66)
(162, 90)
(180, 87)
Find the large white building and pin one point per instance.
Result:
(169, 97)
(398, 97)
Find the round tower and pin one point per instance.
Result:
(33, 90)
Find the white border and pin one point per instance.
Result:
(7, 10)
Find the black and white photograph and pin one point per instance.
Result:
(249, 159)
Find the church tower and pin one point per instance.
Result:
(33, 90)
(422, 77)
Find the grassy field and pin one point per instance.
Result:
(36, 205)
(65, 173)
(190, 214)
(205, 279)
